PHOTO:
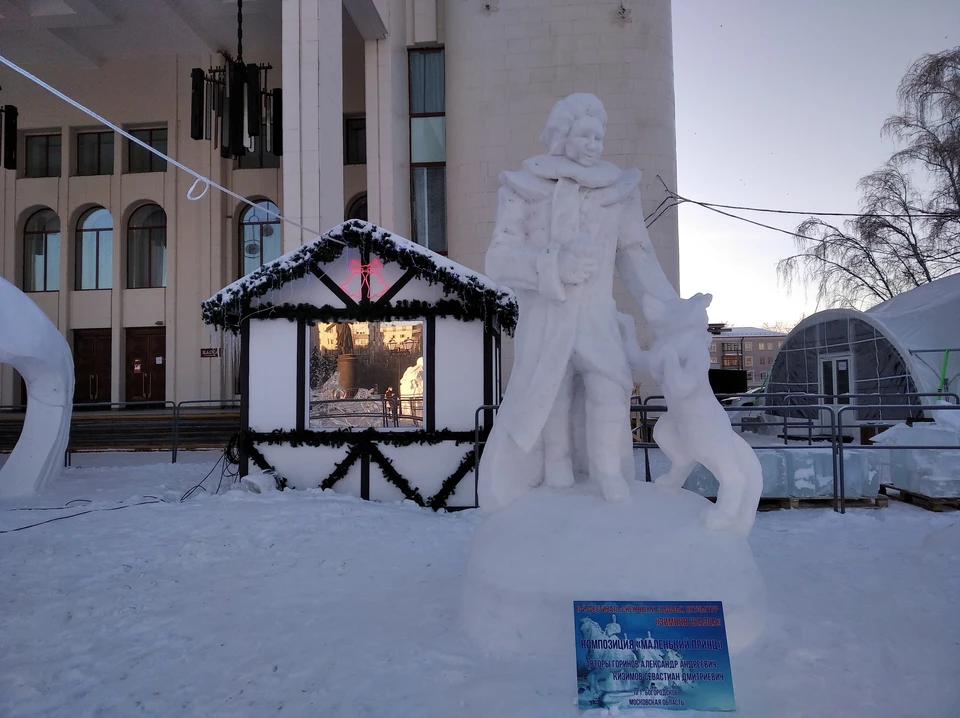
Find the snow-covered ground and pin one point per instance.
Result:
(315, 604)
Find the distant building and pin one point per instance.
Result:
(747, 348)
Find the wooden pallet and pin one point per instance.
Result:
(822, 502)
(817, 502)
(930, 503)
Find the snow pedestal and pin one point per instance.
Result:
(530, 561)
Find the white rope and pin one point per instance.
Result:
(205, 182)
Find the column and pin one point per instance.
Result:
(312, 75)
(388, 150)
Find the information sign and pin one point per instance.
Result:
(642, 654)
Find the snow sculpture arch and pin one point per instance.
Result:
(32, 345)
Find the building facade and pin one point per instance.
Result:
(403, 112)
(745, 348)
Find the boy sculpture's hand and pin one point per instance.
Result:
(577, 262)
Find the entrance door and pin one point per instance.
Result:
(91, 364)
(146, 364)
(836, 378)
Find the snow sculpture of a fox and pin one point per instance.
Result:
(696, 428)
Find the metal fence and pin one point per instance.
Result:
(209, 423)
(825, 432)
(141, 425)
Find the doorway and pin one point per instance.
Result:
(836, 378)
(91, 365)
(145, 366)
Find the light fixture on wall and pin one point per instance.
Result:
(231, 105)
(8, 136)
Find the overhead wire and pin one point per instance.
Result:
(919, 214)
(714, 207)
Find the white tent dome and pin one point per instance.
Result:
(891, 351)
(925, 321)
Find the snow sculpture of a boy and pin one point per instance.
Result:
(564, 222)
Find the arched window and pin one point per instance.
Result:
(260, 238)
(147, 248)
(95, 250)
(358, 208)
(41, 252)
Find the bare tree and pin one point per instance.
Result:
(781, 326)
(904, 237)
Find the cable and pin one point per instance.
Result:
(190, 492)
(664, 211)
(79, 513)
(829, 214)
(713, 208)
(199, 178)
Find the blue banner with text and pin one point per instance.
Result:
(646, 654)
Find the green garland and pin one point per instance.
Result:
(364, 443)
(476, 299)
(403, 310)
(342, 437)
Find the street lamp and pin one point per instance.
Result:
(8, 129)
(230, 104)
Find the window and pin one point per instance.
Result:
(713, 360)
(761, 346)
(95, 153)
(748, 346)
(358, 208)
(713, 346)
(365, 374)
(763, 376)
(779, 344)
(748, 361)
(260, 238)
(750, 376)
(95, 250)
(147, 248)
(257, 158)
(355, 140)
(428, 152)
(41, 252)
(731, 362)
(43, 155)
(731, 347)
(142, 160)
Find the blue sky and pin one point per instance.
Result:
(780, 105)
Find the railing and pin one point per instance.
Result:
(833, 438)
(220, 417)
(178, 417)
(895, 447)
(156, 425)
(389, 412)
(646, 443)
(490, 410)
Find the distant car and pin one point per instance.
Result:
(749, 400)
(752, 398)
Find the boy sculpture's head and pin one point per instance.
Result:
(575, 129)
